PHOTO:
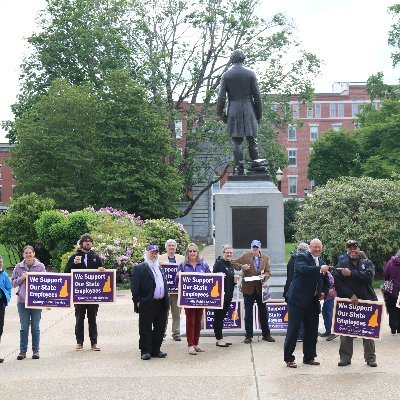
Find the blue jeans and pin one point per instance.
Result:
(29, 316)
(327, 313)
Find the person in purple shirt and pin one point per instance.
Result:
(193, 263)
(27, 316)
(150, 298)
(391, 272)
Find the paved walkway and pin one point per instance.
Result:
(255, 371)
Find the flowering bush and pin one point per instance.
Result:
(364, 209)
(158, 231)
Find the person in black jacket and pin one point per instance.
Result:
(353, 280)
(223, 264)
(150, 298)
(85, 258)
(309, 285)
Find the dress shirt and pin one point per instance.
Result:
(158, 278)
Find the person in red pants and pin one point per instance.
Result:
(193, 263)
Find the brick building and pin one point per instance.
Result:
(334, 110)
(7, 181)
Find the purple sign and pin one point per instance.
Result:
(197, 290)
(233, 319)
(278, 316)
(363, 320)
(170, 271)
(91, 286)
(45, 289)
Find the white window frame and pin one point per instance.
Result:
(311, 128)
(310, 112)
(295, 111)
(332, 110)
(179, 129)
(318, 110)
(354, 109)
(292, 157)
(340, 110)
(293, 127)
(337, 127)
(288, 182)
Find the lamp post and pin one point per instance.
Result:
(279, 175)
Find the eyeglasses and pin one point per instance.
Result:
(192, 251)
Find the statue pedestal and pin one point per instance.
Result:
(247, 208)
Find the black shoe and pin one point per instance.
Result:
(228, 343)
(35, 355)
(146, 356)
(299, 339)
(325, 334)
(343, 363)
(393, 331)
(177, 338)
(331, 337)
(1, 360)
(372, 363)
(21, 355)
(160, 354)
(268, 338)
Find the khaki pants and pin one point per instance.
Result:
(176, 314)
(346, 349)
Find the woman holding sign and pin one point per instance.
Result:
(27, 316)
(193, 263)
(223, 264)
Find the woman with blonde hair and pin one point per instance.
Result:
(193, 263)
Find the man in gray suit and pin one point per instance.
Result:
(244, 109)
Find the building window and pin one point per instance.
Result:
(292, 133)
(332, 110)
(313, 132)
(180, 150)
(292, 156)
(310, 113)
(336, 127)
(354, 109)
(0, 170)
(178, 129)
(292, 185)
(317, 110)
(295, 111)
(341, 110)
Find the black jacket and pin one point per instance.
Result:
(359, 282)
(289, 273)
(226, 267)
(93, 261)
(306, 282)
(143, 285)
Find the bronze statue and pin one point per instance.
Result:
(244, 110)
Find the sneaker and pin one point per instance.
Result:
(21, 355)
(95, 347)
(35, 355)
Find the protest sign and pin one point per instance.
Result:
(45, 289)
(278, 316)
(170, 271)
(232, 321)
(91, 286)
(199, 290)
(363, 320)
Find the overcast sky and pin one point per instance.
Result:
(350, 36)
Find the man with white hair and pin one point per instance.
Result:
(150, 297)
(308, 286)
(168, 258)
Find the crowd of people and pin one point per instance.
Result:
(309, 281)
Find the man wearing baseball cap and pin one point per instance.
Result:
(353, 280)
(150, 298)
(254, 264)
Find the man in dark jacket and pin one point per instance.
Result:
(85, 258)
(309, 285)
(353, 280)
(150, 298)
(244, 110)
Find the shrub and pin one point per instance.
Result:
(59, 231)
(17, 227)
(364, 209)
(158, 231)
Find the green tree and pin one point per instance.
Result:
(290, 206)
(335, 154)
(82, 146)
(364, 209)
(17, 224)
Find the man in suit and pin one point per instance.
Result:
(254, 264)
(244, 110)
(171, 257)
(150, 297)
(308, 286)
